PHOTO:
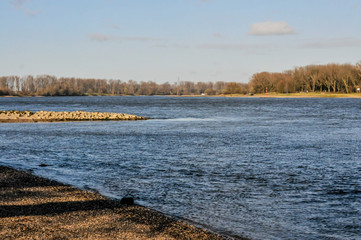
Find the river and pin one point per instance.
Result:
(262, 168)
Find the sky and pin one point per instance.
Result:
(175, 40)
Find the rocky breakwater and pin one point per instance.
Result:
(45, 116)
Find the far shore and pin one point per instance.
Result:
(283, 95)
(257, 95)
(308, 95)
(33, 207)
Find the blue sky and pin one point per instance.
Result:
(167, 40)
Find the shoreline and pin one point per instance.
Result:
(283, 95)
(256, 95)
(33, 207)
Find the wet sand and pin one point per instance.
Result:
(33, 207)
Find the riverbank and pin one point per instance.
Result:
(309, 95)
(283, 95)
(50, 116)
(33, 207)
(260, 95)
(296, 95)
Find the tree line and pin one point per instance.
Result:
(46, 85)
(342, 78)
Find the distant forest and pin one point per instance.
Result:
(45, 85)
(340, 78)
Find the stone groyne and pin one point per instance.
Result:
(50, 116)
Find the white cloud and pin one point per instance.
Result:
(271, 28)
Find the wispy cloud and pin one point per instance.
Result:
(103, 38)
(161, 45)
(139, 38)
(181, 46)
(114, 26)
(248, 48)
(172, 45)
(31, 13)
(332, 43)
(100, 37)
(20, 5)
(229, 46)
(218, 35)
(271, 28)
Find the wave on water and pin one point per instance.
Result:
(258, 168)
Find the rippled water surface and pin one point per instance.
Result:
(260, 168)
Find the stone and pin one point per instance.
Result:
(127, 201)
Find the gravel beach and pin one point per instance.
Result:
(33, 207)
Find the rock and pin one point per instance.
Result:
(127, 201)
(43, 165)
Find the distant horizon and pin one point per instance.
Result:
(163, 41)
(172, 82)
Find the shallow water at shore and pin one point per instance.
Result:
(260, 168)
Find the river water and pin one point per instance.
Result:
(252, 167)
